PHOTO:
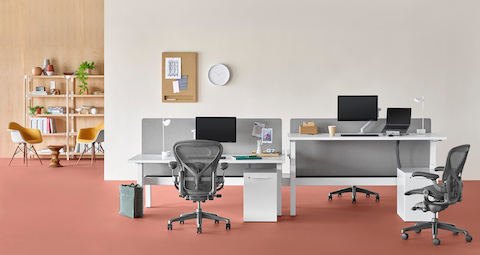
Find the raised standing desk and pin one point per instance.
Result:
(146, 180)
(294, 137)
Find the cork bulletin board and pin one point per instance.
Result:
(179, 77)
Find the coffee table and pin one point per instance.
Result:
(55, 148)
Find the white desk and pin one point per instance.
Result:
(146, 181)
(294, 137)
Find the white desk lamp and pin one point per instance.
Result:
(166, 123)
(422, 100)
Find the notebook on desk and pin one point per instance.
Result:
(398, 119)
(247, 157)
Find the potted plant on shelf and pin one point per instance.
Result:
(37, 110)
(83, 71)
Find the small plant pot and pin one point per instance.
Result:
(39, 110)
(89, 71)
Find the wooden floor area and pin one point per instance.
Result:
(72, 210)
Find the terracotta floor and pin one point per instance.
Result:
(72, 210)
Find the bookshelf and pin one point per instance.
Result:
(70, 121)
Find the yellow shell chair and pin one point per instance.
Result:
(90, 136)
(22, 136)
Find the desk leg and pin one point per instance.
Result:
(279, 189)
(433, 156)
(293, 176)
(148, 195)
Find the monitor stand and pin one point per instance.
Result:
(365, 126)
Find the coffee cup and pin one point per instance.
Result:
(331, 130)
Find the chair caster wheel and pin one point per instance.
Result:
(436, 241)
(468, 238)
(227, 226)
(182, 222)
(367, 195)
(418, 231)
(329, 197)
(377, 198)
(354, 201)
(339, 194)
(216, 221)
(404, 236)
(455, 233)
(169, 227)
(199, 230)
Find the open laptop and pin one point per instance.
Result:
(398, 119)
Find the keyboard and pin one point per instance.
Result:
(359, 135)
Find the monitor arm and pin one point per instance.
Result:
(362, 130)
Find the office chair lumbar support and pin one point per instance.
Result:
(354, 190)
(445, 194)
(197, 178)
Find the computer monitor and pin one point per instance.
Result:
(357, 108)
(220, 129)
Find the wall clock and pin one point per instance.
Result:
(219, 74)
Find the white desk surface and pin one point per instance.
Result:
(157, 158)
(381, 137)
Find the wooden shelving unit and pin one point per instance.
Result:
(71, 121)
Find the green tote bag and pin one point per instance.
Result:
(131, 200)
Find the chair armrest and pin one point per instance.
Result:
(426, 175)
(439, 168)
(223, 165)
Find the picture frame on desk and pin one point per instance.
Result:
(267, 135)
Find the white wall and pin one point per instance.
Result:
(291, 59)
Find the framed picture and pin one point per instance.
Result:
(39, 88)
(173, 68)
(267, 135)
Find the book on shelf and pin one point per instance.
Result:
(45, 125)
(43, 93)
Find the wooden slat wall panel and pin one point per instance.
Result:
(66, 32)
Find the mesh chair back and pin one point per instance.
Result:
(452, 175)
(198, 161)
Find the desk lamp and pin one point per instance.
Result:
(422, 100)
(166, 123)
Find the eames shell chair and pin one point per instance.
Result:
(22, 136)
(90, 136)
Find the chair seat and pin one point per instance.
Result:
(85, 140)
(34, 140)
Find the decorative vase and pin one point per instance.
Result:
(46, 62)
(94, 111)
(50, 70)
(39, 110)
(37, 71)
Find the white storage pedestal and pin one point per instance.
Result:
(405, 182)
(260, 195)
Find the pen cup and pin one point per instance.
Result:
(331, 130)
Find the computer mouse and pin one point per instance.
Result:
(390, 135)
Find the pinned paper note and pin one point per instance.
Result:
(176, 88)
(308, 124)
(182, 83)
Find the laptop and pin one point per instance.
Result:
(398, 119)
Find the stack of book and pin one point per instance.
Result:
(45, 125)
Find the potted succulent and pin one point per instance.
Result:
(82, 74)
(37, 110)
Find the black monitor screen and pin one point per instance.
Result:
(357, 108)
(220, 129)
(399, 116)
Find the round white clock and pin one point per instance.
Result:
(219, 74)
